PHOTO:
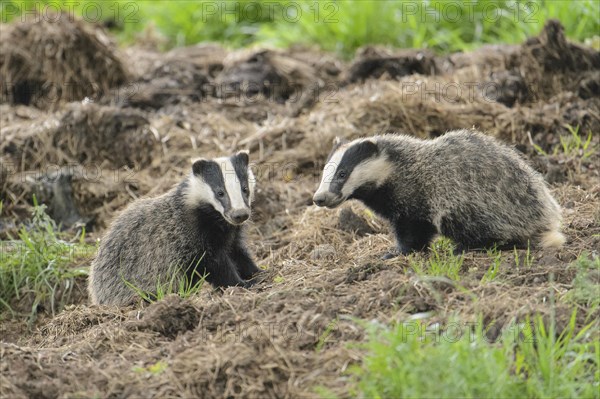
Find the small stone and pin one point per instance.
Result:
(322, 251)
(555, 174)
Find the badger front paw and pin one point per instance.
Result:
(391, 254)
(258, 277)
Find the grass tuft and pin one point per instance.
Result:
(415, 360)
(586, 284)
(441, 261)
(575, 146)
(37, 266)
(527, 261)
(341, 26)
(496, 257)
(179, 283)
(556, 365)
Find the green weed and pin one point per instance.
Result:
(180, 22)
(178, 283)
(527, 260)
(575, 146)
(343, 26)
(340, 26)
(323, 338)
(586, 289)
(153, 369)
(189, 22)
(496, 258)
(414, 360)
(440, 262)
(36, 267)
(558, 366)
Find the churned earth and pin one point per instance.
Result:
(149, 113)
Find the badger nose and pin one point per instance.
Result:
(240, 216)
(319, 199)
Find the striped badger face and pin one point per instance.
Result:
(226, 183)
(349, 167)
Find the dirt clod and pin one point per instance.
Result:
(373, 62)
(171, 82)
(296, 328)
(169, 317)
(323, 251)
(350, 222)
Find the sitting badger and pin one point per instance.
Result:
(463, 185)
(194, 229)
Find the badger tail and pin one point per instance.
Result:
(552, 238)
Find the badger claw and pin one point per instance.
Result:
(390, 255)
(248, 283)
(257, 278)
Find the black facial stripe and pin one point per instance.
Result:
(353, 156)
(241, 170)
(213, 176)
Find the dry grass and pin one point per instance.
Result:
(294, 331)
(45, 63)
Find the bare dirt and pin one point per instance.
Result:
(295, 330)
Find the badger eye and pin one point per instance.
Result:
(245, 190)
(221, 194)
(342, 174)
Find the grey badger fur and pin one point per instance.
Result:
(463, 185)
(193, 229)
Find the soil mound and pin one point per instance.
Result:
(176, 79)
(272, 74)
(54, 60)
(83, 134)
(169, 317)
(548, 63)
(299, 327)
(375, 62)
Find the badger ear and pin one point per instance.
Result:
(338, 141)
(199, 166)
(244, 156)
(369, 147)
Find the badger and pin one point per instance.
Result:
(463, 185)
(195, 230)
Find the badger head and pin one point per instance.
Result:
(351, 166)
(226, 184)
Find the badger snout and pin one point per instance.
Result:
(239, 216)
(327, 199)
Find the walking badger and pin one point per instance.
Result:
(463, 185)
(194, 229)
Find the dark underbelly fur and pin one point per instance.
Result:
(414, 229)
(225, 258)
(411, 223)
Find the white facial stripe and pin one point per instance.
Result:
(198, 191)
(232, 184)
(251, 184)
(330, 169)
(375, 170)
